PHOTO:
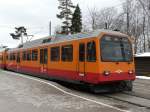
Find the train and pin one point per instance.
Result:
(100, 59)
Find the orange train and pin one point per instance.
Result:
(96, 58)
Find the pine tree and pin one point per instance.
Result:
(66, 7)
(76, 26)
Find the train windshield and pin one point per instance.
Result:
(115, 49)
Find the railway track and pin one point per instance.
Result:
(136, 94)
(131, 99)
(139, 96)
(142, 81)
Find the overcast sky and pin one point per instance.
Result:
(36, 14)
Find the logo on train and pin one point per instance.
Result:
(119, 71)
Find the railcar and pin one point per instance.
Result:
(96, 58)
(3, 59)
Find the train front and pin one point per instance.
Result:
(117, 62)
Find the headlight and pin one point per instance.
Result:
(106, 73)
(130, 72)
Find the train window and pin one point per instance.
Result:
(18, 57)
(118, 49)
(7, 57)
(10, 57)
(1, 58)
(82, 52)
(13, 56)
(24, 56)
(91, 51)
(43, 56)
(55, 54)
(28, 55)
(67, 53)
(34, 55)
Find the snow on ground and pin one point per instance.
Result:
(143, 77)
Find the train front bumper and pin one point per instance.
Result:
(114, 77)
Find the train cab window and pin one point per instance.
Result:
(82, 52)
(115, 49)
(24, 55)
(28, 55)
(55, 54)
(91, 51)
(67, 53)
(34, 55)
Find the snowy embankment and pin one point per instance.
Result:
(143, 77)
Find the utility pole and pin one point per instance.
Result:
(144, 34)
(50, 28)
(21, 39)
(106, 25)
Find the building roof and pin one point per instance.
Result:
(146, 54)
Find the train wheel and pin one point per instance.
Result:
(100, 88)
(125, 86)
(129, 85)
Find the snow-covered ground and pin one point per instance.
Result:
(143, 77)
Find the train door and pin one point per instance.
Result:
(44, 60)
(1, 60)
(81, 64)
(18, 61)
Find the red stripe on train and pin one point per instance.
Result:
(93, 78)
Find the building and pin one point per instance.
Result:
(142, 63)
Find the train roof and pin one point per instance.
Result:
(62, 38)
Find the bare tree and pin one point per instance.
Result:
(145, 5)
(107, 17)
(134, 20)
(100, 19)
(93, 18)
(57, 29)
